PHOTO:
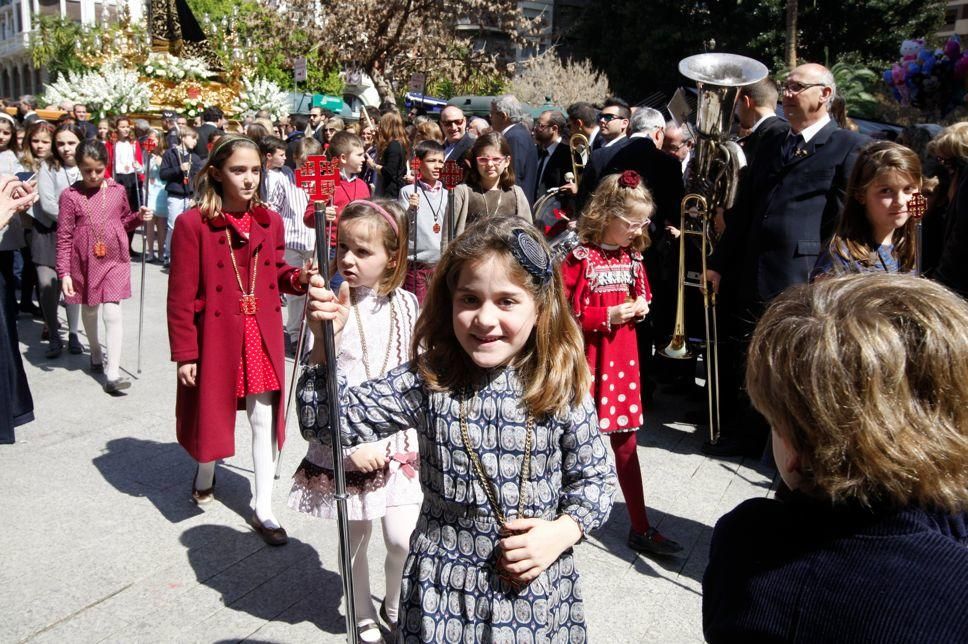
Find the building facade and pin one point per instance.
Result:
(956, 19)
(18, 75)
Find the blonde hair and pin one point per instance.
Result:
(951, 143)
(867, 377)
(208, 192)
(394, 243)
(610, 198)
(552, 366)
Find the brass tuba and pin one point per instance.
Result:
(713, 180)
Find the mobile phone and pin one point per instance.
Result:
(26, 176)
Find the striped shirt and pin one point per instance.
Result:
(287, 199)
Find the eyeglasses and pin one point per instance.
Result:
(634, 225)
(457, 122)
(490, 160)
(608, 118)
(793, 87)
(675, 147)
(541, 126)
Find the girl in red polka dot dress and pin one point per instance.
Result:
(225, 323)
(609, 292)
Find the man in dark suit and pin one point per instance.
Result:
(27, 109)
(583, 119)
(554, 159)
(507, 112)
(787, 208)
(756, 113)
(457, 140)
(613, 123)
(212, 118)
(81, 116)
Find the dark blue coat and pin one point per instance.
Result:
(805, 571)
(524, 158)
(785, 214)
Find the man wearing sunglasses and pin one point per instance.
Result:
(788, 205)
(613, 123)
(453, 123)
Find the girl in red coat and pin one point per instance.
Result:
(92, 255)
(225, 324)
(609, 292)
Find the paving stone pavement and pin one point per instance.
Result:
(104, 545)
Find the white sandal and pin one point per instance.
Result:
(369, 632)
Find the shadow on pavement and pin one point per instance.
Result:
(163, 473)
(286, 584)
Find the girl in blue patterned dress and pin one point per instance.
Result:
(876, 232)
(513, 467)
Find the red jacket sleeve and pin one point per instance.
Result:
(183, 287)
(66, 219)
(593, 319)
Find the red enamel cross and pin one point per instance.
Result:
(319, 177)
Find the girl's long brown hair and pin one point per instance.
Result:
(208, 192)
(853, 241)
(492, 140)
(553, 370)
(390, 129)
(612, 198)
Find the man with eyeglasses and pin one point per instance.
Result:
(678, 143)
(613, 122)
(457, 141)
(788, 206)
(507, 114)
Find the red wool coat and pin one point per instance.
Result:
(205, 323)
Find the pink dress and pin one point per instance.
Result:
(86, 217)
(595, 279)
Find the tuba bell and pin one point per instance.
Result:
(713, 181)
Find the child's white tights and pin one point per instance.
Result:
(258, 408)
(111, 313)
(398, 524)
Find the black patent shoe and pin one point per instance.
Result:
(653, 543)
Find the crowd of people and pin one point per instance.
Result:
(481, 368)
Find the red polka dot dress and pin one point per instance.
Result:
(256, 374)
(595, 279)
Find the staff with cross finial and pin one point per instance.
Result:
(917, 206)
(148, 145)
(451, 175)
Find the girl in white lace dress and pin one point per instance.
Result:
(381, 477)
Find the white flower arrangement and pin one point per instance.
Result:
(262, 94)
(112, 90)
(164, 65)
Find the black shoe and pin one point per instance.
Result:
(74, 344)
(115, 387)
(55, 349)
(653, 543)
(31, 308)
(272, 536)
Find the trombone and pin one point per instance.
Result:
(713, 182)
(580, 151)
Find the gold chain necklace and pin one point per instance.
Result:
(479, 467)
(248, 303)
(393, 326)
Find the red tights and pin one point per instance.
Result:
(630, 478)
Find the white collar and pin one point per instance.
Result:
(553, 146)
(760, 122)
(811, 131)
(505, 130)
(609, 144)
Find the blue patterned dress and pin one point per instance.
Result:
(452, 591)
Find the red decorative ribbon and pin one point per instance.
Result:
(407, 462)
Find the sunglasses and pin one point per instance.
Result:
(608, 118)
(457, 122)
(634, 225)
(490, 160)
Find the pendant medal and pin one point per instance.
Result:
(100, 249)
(436, 228)
(248, 304)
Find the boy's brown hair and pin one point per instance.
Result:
(343, 142)
(867, 377)
(552, 366)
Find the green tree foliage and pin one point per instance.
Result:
(646, 40)
(54, 45)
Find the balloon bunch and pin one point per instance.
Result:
(928, 78)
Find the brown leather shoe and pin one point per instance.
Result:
(272, 536)
(202, 497)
